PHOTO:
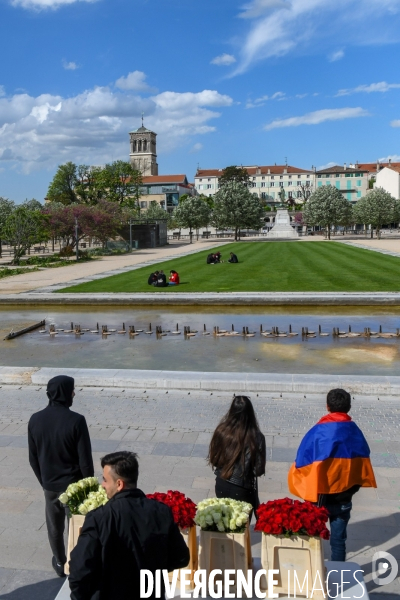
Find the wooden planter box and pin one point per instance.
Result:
(75, 523)
(303, 554)
(225, 551)
(190, 537)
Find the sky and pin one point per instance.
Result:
(222, 82)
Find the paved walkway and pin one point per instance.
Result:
(52, 279)
(171, 431)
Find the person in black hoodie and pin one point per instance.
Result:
(129, 533)
(59, 453)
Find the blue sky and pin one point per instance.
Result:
(222, 82)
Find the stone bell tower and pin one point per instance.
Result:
(143, 154)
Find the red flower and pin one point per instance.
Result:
(183, 508)
(292, 517)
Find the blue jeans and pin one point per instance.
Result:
(339, 516)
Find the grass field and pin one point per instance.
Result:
(272, 267)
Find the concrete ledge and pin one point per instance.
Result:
(193, 380)
(17, 375)
(207, 299)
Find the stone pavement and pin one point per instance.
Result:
(170, 430)
(96, 269)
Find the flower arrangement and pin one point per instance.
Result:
(183, 508)
(223, 514)
(83, 496)
(291, 517)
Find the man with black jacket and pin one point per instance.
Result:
(59, 453)
(127, 534)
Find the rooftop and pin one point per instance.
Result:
(256, 170)
(342, 169)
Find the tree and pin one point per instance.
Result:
(192, 213)
(233, 173)
(155, 211)
(23, 228)
(121, 183)
(327, 207)
(377, 208)
(101, 222)
(33, 204)
(62, 188)
(6, 208)
(236, 207)
(88, 186)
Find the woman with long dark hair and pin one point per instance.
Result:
(238, 453)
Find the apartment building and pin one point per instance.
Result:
(165, 190)
(352, 182)
(267, 182)
(374, 168)
(388, 178)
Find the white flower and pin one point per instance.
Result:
(63, 498)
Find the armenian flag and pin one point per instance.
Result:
(332, 457)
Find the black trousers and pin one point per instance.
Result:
(225, 489)
(55, 521)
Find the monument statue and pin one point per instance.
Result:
(282, 227)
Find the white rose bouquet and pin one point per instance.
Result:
(83, 496)
(222, 514)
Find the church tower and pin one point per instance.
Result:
(143, 154)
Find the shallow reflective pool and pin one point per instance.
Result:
(207, 353)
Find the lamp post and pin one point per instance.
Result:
(130, 234)
(76, 238)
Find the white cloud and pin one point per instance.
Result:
(261, 101)
(382, 86)
(395, 123)
(392, 157)
(224, 60)
(338, 55)
(70, 66)
(136, 80)
(278, 27)
(92, 127)
(2, 91)
(196, 148)
(319, 116)
(45, 4)
(327, 166)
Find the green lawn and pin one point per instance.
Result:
(272, 267)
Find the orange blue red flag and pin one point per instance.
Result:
(332, 457)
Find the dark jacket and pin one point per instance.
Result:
(338, 498)
(58, 438)
(152, 279)
(233, 259)
(162, 280)
(245, 477)
(129, 533)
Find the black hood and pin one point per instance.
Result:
(59, 390)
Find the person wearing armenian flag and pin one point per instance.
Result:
(332, 463)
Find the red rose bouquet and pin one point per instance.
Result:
(183, 509)
(291, 517)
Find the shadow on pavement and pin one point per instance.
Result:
(43, 590)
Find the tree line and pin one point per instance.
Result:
(328, 208)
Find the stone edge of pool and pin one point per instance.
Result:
(206, 299)
(206, 381)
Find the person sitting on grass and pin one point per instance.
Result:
(161, 280)
(153, 278)
(173, 278)
(332, 463)
(233, 258)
